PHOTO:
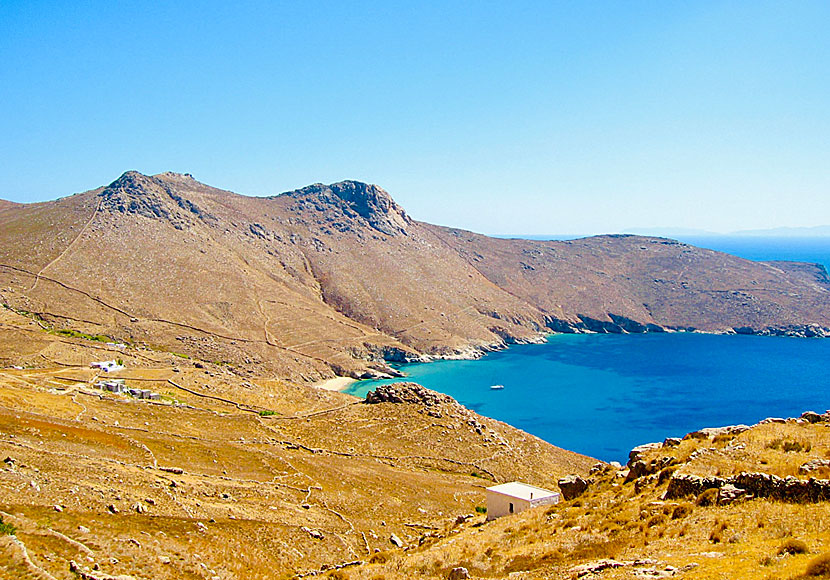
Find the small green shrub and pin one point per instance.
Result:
(481, 509)
(790, 446)
(797, 446)
(716, 537)
(681, 511)
(267, 413)
(69, 333)
(708, 497)
(793, 546)
(6, 529)
(666, 474)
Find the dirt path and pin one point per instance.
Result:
(69, 247)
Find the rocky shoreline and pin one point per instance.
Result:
(586, 325)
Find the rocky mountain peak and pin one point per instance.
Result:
(153, 197)
(178, 177)
(355, 198)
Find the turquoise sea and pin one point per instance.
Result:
(601, 395)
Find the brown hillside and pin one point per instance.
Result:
(338, 279)
(621, 282)
(226, 476)
(6, 204)
(639, 521)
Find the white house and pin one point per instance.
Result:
(515, 497)
(108, 366)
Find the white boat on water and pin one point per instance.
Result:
(496, 387)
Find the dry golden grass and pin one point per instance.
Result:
(357, 473)
(755, 539)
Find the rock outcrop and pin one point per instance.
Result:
(814, 465)
(359, 200)
(408, 393)
(153, 198)
(709, 432)
(789, 489)
(572, 486)
(636, 453)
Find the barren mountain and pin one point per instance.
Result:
(221, 305)
(632, 283)
(338, 279)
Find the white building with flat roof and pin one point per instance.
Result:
(515, 497)
(108, 366)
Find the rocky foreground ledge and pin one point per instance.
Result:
(650, 464)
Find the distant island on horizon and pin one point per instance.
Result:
(809, 232)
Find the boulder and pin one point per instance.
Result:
(636, 453)
(813, 465)
(812, 417)
(772, 420)
(640, 468)
(459, 573)
(710, 432)
(396, 541)
(316, 534)
(407, 393)
(572, 486)
(728, 493)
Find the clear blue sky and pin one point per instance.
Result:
(499, 117)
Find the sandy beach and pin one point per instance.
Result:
(336, 384)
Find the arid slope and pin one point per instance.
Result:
(226, 476)
(339, 279)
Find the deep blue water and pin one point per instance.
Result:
(754, 248)
(604, 394)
